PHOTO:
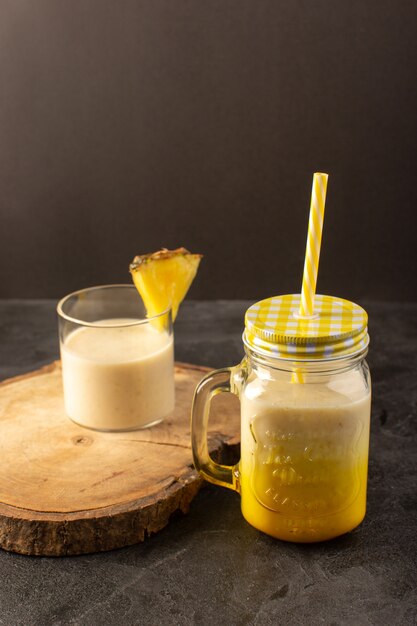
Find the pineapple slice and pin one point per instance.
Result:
(164, 277)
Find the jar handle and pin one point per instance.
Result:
(217, 381)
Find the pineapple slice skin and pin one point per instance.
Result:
(163, 278)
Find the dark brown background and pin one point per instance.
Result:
(133, 124)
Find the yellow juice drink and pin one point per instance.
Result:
(303, 469)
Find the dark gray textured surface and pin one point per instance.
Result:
(211, 567)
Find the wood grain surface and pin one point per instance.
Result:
(67, 490)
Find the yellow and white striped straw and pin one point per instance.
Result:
(315, 228)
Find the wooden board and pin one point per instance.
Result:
(67, 490)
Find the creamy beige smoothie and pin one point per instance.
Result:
(304, 456)
(118, 374)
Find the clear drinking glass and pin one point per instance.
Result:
(117, 363)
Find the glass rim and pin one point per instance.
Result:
(80, 322)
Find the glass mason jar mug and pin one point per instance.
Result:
(305, 394)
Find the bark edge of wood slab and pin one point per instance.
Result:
(66, 490)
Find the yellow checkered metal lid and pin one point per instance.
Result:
(337, 329)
